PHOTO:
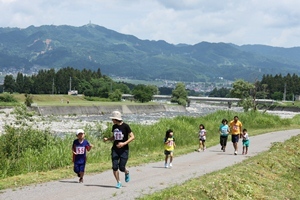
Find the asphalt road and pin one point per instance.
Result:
(148, 178)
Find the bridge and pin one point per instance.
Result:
(207, 99)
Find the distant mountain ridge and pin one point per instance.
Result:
(92, 47)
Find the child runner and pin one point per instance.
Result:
(79, 148)
(122, 136)
(245, 141)
(224, 130)
(236, 132)
(169, 147)
(202, 138)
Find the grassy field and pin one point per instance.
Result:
(61, 100)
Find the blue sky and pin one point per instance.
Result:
(268, 22)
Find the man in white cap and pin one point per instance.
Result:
(122, 136)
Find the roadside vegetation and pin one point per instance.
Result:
(270, 175)
(33, 156)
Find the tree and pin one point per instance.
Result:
(20, 83)
(242, 89)
(143, 93)
(88, 92)
(9, 84)
(277, 96)
(116, 95)
(179, 94)
(222, 92)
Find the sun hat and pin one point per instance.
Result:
(116, 115)
(79, 131)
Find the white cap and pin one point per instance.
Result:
(116, 115)
(79, 131)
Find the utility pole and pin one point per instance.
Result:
(70, 83)
(284, 93)
(53, 86)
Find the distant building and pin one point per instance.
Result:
(72, 92)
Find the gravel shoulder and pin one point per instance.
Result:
(149, 178)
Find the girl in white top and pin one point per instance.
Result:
(202, 138)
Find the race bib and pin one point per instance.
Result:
(118, 135)
(80, 150)
(170, 143)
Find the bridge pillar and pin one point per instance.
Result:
(188, 103)
(229, 104)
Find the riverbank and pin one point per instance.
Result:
(80, 116)
(101, 110)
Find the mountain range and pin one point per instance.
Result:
(92, 47)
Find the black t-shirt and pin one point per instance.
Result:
(121, 133)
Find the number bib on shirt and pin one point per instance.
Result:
(80, 150)
(170, 143)
(118, 135)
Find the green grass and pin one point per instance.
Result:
(61, 100)
(270, 175)
(288, 103)
(52, 161)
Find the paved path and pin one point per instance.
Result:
(146, 179)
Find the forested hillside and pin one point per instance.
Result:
(94, 47)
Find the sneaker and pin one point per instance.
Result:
(81, 180)
(119, 185)
(204, 148)
(199, 150)
(224, 150)
(235, 153)
(171, 165)
(166, 165)
(127, 177)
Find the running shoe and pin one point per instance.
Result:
(127, 177)
(235, 153)
(171, 165)
(81, 180)
(119, 185)
(166, 165)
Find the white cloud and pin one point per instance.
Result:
(269, 22)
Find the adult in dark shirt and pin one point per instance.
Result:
(122, 136)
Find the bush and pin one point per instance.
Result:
(7, 98)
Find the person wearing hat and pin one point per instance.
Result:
(79, 148)
(122, 136)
